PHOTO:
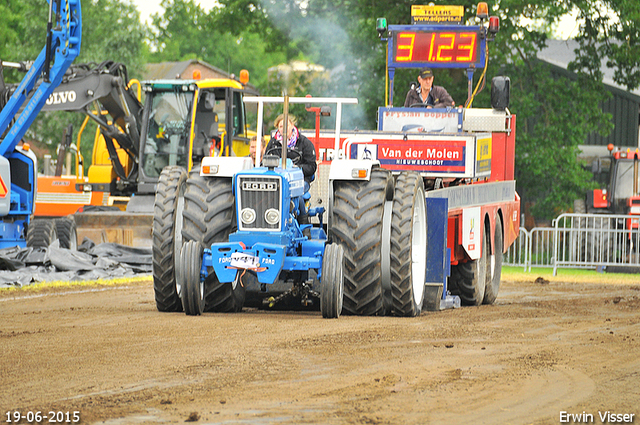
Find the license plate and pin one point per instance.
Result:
(244, 261)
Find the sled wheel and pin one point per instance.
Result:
(494, 266)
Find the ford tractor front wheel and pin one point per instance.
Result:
(332, 282)
(188, 275)
(209, 217)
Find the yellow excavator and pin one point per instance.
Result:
(180, 122)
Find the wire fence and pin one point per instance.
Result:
(579, 241)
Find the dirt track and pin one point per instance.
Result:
(541, 350)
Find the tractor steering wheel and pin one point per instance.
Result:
(294, 155)
(420, 105)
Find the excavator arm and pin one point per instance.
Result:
(101, 92)
(18, 170)
(63, 46)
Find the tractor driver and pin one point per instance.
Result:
(298, 143)
(427, 94)
(305, 150)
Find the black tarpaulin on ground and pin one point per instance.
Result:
(24, 266)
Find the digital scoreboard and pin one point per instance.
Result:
(437, 46)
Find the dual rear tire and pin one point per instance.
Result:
(358, 225)
(190, 214)
(408, 246)
(167, 237)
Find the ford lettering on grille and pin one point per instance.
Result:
(260, 186)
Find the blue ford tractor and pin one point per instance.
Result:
(237, 238)
(240, 230)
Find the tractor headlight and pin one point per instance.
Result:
(248, 215)
(272, 216)
(271, 161)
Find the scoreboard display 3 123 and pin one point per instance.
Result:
(449, 47)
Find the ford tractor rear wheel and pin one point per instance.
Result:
(188, 267)
(41, 233)
(468, 280)
(408, 245)
(332, 281)
(209, 217)
(168, 209)
(356, 225)
(494, 266)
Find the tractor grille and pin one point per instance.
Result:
(259, 194)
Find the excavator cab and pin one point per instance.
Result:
(186, 120)
(165, 140)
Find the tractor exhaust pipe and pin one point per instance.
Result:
(285, 131)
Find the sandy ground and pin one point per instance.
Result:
(541, 352)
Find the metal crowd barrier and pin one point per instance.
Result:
(596, 240)
(579, 241)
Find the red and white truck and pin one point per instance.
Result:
(418, 212)
(429, 197)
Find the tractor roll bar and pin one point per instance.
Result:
(261, 100)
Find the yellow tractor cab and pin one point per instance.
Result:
(186, 120)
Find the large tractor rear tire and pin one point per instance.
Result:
(41, 233)
(494, 265)
(167, 237)
(332, 281)
(209, 217)
(188, 267)
(356, 224)
(66, 232)
(408, 245)
(468, 280)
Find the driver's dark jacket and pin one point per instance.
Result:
(307, 152)
(438, 97)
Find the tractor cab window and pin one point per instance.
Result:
(238, 115)
(167, 136)
(240, 136)
(601, 168)
(209, 123)
(624, 180)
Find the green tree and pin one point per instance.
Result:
(111, 30)
(185, 31)
(555, 113)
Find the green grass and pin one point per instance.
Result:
(516, 274)
(62, 285)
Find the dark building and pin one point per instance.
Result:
(184, 70)
(623, 105)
